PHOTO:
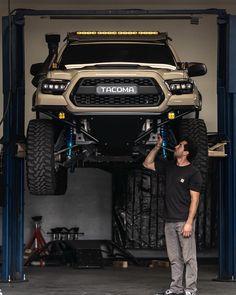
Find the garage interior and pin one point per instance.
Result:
(97, 200)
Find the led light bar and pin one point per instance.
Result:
(117, 35)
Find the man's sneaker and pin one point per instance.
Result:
(169, 292)
(189, 293)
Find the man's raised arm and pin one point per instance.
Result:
(149, 162)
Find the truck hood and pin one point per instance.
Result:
(164, 71)
(120, 64)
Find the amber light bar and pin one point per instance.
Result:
(117, 35)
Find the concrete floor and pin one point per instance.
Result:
(109, 281)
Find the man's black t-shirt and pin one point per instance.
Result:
(179, 181)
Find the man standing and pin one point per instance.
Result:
(183, 185)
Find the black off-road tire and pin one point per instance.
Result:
(42, 177)
(196, 130)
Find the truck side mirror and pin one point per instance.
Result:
(36, 68)
(196, 69)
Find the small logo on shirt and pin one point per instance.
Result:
(182, 180)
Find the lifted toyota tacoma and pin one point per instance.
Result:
(103, 98)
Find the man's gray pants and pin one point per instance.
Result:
(181, 252)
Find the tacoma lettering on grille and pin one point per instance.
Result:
(147, 92)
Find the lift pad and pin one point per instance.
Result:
(217, 150)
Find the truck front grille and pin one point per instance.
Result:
(85, 94)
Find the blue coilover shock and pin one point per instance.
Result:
(163, 133)
(70, 140)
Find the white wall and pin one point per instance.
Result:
(192, 42)
(87, 204)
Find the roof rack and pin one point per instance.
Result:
(153, 36)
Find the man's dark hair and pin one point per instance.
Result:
(191, 147)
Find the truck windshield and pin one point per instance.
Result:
(100, 53)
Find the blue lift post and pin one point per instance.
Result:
(227, 126)
(13, 88)
(13, 130)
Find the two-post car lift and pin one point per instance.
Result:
(14, 109)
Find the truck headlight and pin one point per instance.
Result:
(183, 86)
(54, 86)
